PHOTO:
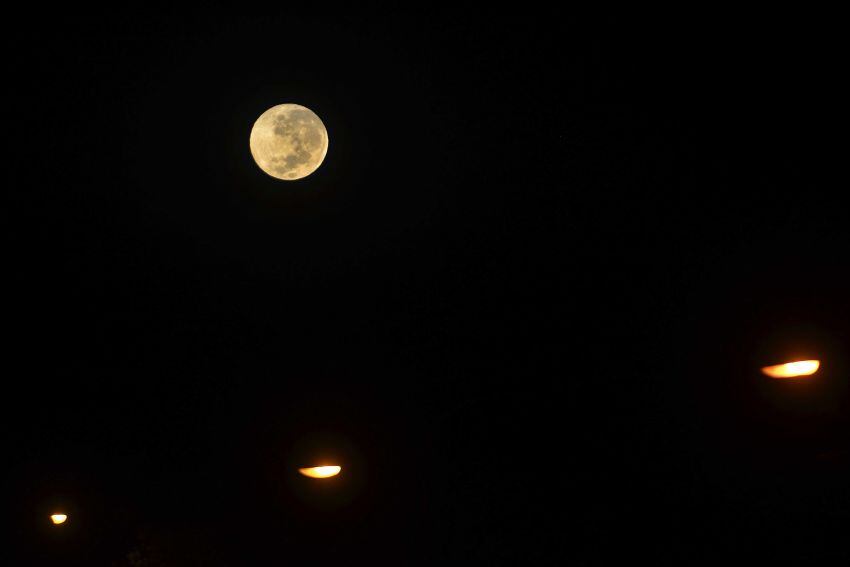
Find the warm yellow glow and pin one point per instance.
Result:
(792, 369)
(320, 472)
(58, 518)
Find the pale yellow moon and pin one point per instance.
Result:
(289, 142)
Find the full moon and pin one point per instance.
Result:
(289, 142)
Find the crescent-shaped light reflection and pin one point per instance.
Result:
(320, 472)
(792, 369)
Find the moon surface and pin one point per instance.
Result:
(289, 141)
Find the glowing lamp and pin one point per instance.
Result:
(58, 518)
(792, 369)
(320, 472)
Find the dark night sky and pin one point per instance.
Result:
(523, 301)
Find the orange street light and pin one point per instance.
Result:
(792, 369)
(320, 472)
(58, 518)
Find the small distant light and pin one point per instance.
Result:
(792, 369)
(58, 518)
(320, 472)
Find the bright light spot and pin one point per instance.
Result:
(58, 518)
(792, 369)
(320, 472)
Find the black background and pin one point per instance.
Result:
(523, 302)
